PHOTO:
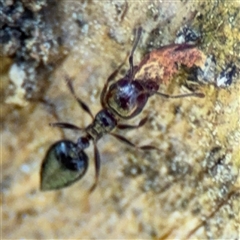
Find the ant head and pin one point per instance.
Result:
(64, 164)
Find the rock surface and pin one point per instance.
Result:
(189, 190)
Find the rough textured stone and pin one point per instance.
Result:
(188, 190)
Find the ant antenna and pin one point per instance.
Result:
(200, 95)
(136, 41)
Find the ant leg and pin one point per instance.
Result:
(97, 160)
(113, 75)
(65, 125)
(110, 79)
(53, 112)
(130, 127)
(200, 95)
(123, 139)
(50, 105)
(82, 104)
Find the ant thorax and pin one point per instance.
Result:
(103, 123)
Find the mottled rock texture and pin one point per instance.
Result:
(188, 190)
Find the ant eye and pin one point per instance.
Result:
(63, 165)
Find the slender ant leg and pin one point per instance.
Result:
(110, 79)
(130, 127)
(65, 125)
(97, 161)
(126, 141)
(57, 124)
(82, 104)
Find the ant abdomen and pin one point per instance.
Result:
(63, 165)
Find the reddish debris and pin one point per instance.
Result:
(161, 64)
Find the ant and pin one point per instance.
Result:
(65, 161)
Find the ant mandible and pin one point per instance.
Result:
(65, 161)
